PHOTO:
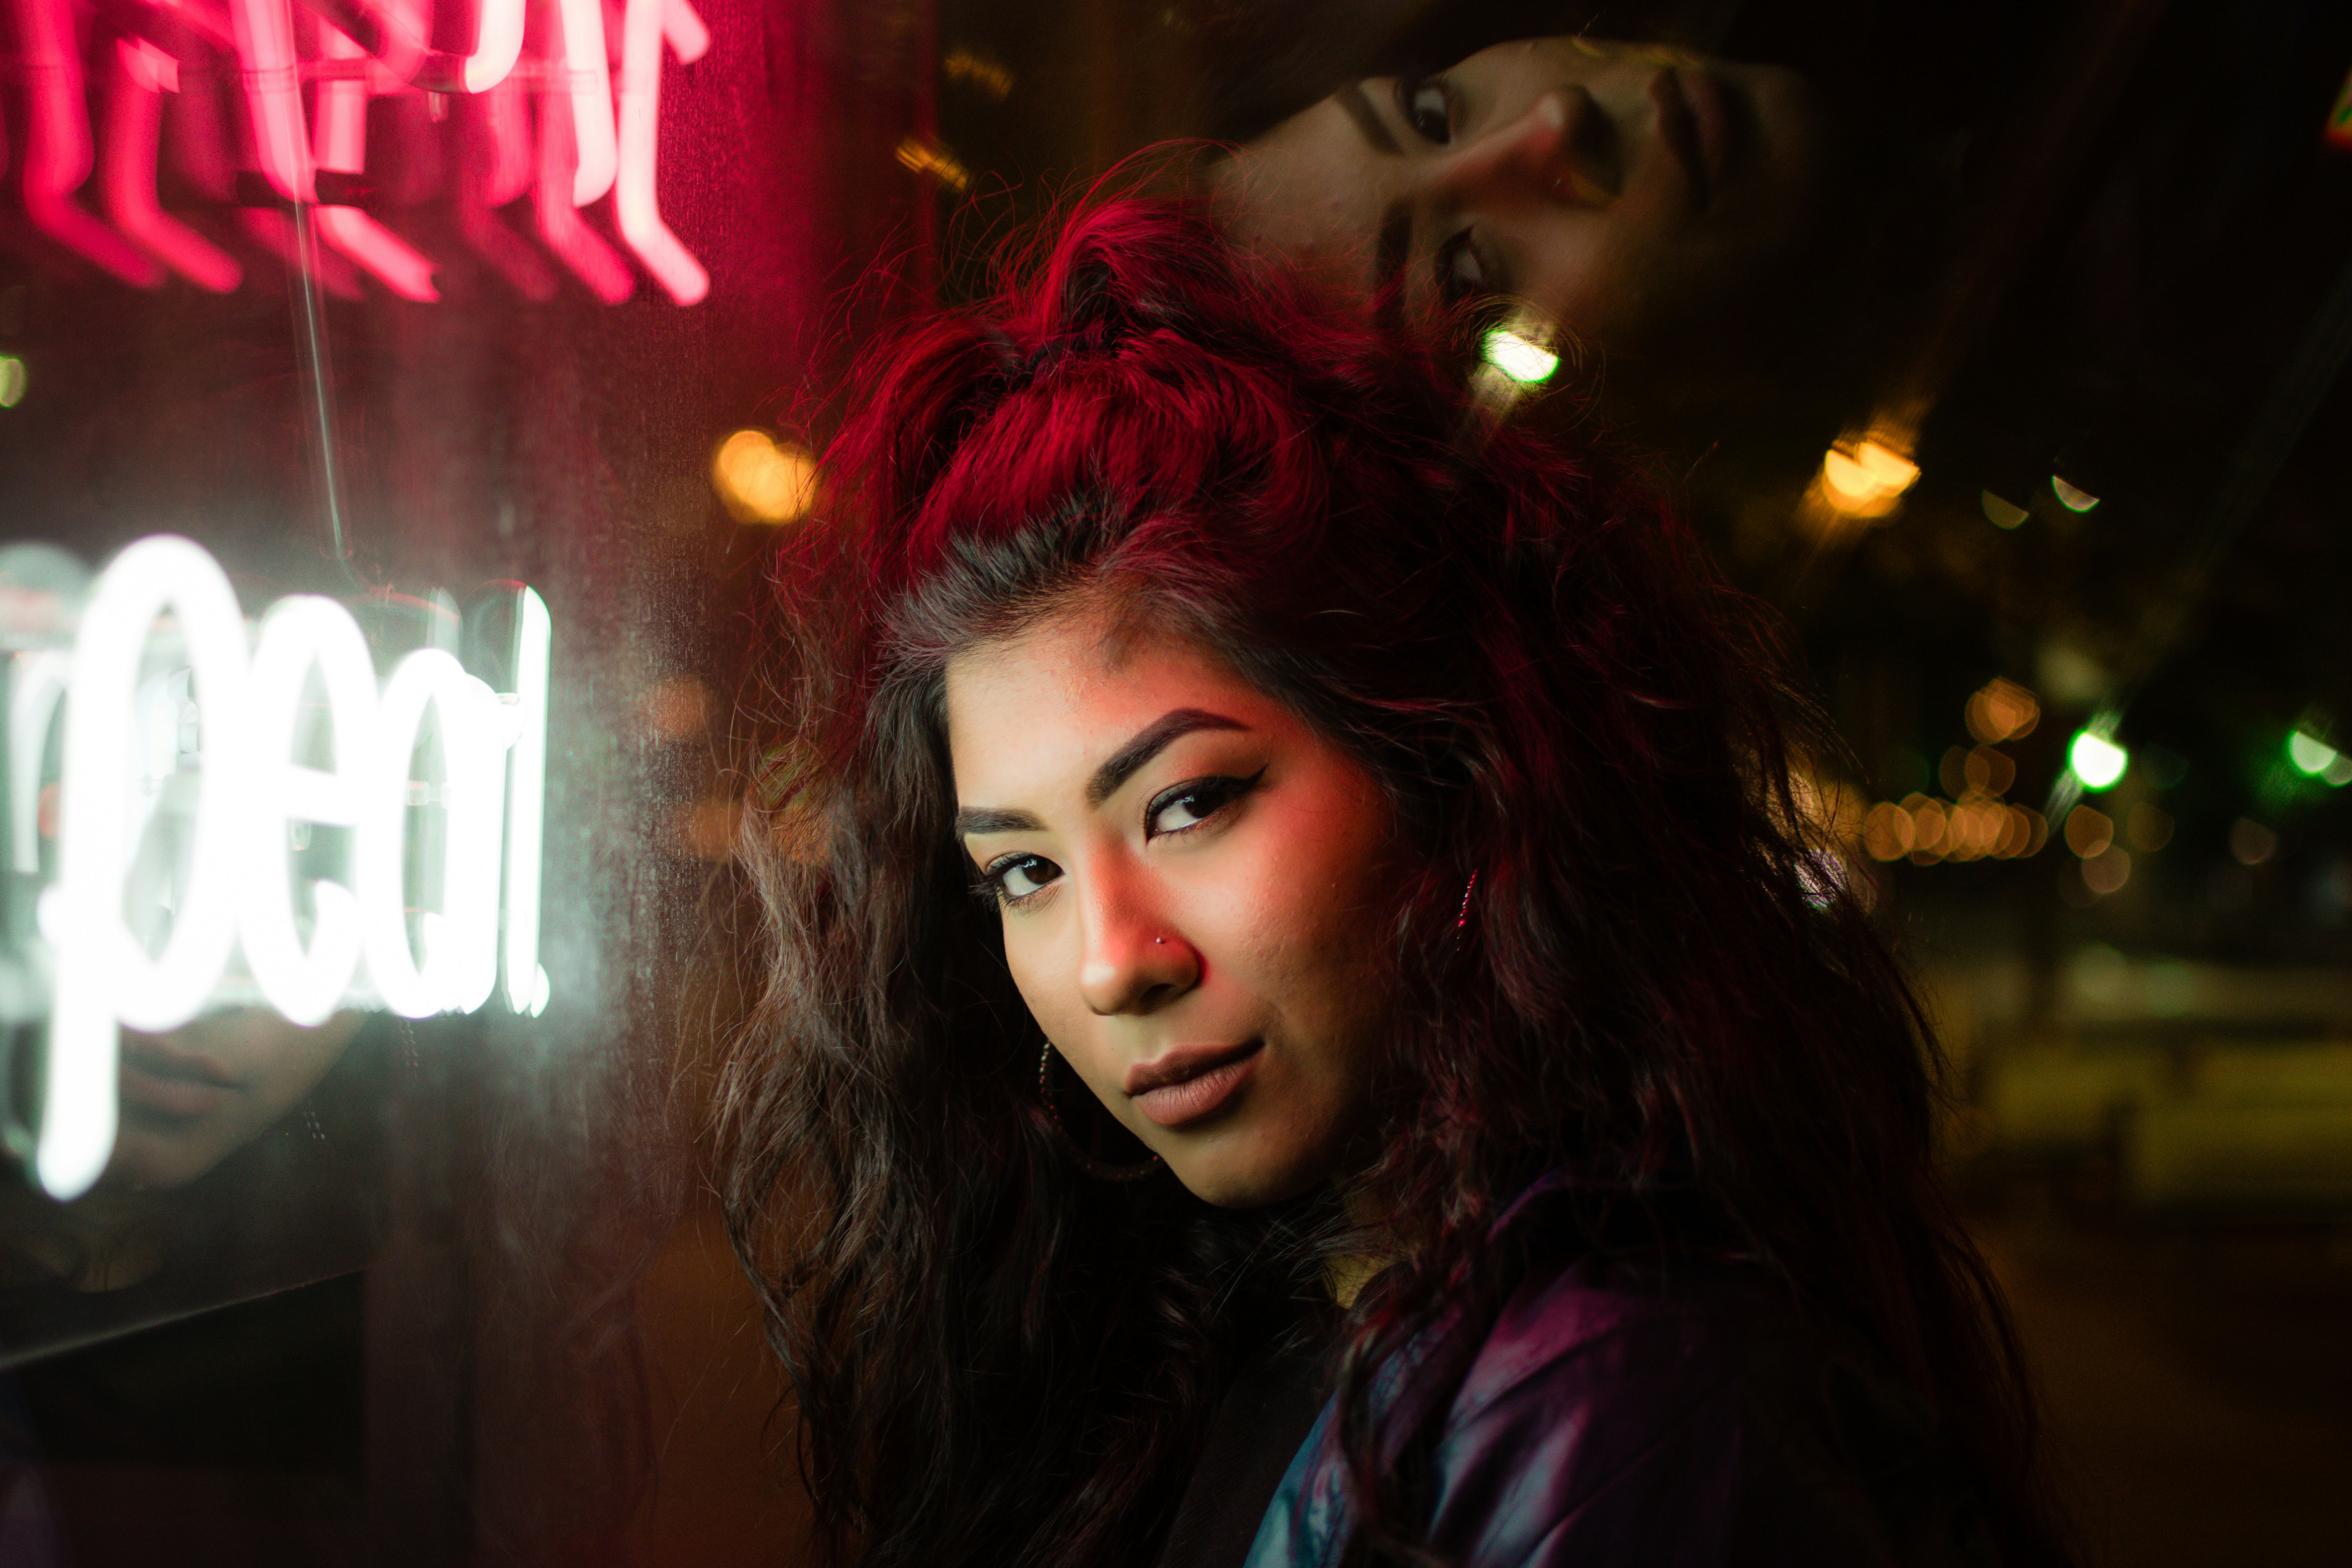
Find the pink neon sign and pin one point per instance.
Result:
(549, 108)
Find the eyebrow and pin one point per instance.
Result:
(1148, 744)
(1115, 770)
(988, 819)
(1359, 109)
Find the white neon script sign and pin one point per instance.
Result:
(248, 691)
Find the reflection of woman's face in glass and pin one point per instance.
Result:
(1194, 890)
(196, 1096)
(1620, 189)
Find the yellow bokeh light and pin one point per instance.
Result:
(12, 381)
(920, 157)
(2251, 842)
(990, 79)
(1865, 479)
(1887, 832)
(761, 479)
(2089, 832)
(2108, 870)
(2148, 828)
(2003, 711)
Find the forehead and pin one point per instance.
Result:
(1051, 703)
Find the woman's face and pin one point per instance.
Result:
(196, 1096)
(1621, 190)
(1193, 885)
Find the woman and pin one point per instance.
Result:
(1634, 195)
(1386, 866)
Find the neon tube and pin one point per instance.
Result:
(341, 136)
(527, 802)
(560, 227)
(460, 963)
(634, 206)
(134, 119)
(504, 118)
(104, 976)
(589, 73)
(395, 263)
(58, 155)
(37, 681)
(273, 93)
(125, 743)
(683, 29)
(495, 166)
(298, 635)
(395, 37)
(498, 43)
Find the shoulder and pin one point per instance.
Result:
(1683, 1411)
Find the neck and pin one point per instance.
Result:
(1346, 1275)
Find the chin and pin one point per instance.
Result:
(1247, 1182)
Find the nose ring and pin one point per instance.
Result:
(1160, 941)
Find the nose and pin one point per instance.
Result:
(1561, 151)
(1133, 961)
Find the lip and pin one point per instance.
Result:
(1716, 111)
(1680, 128)
(1188, 1082)
(155, 1076)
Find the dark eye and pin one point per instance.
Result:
(1185, 806)
(1428, 108)
(1017, 879)
(1459, 274)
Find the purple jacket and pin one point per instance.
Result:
(1658, 1415)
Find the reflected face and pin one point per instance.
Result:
(1621, 190)
(1194, 887)
(193, 1096)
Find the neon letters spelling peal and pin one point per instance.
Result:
(250, 796)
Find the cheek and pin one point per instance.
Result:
(1569, 274)
(1317, 916)
(1033, 977)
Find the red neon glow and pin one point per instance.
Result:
(495, 166)
(58, 153)
(498, 44)
(586, 68)
(139, 75)
(560, 227)
(274, 232)
(506, 117)
(342, 134)
(401, 28)
(298, 103)
(273, 93)
(683, 30)
(207, 19)
(634, 207)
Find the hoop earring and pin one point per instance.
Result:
(1100, 1170)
